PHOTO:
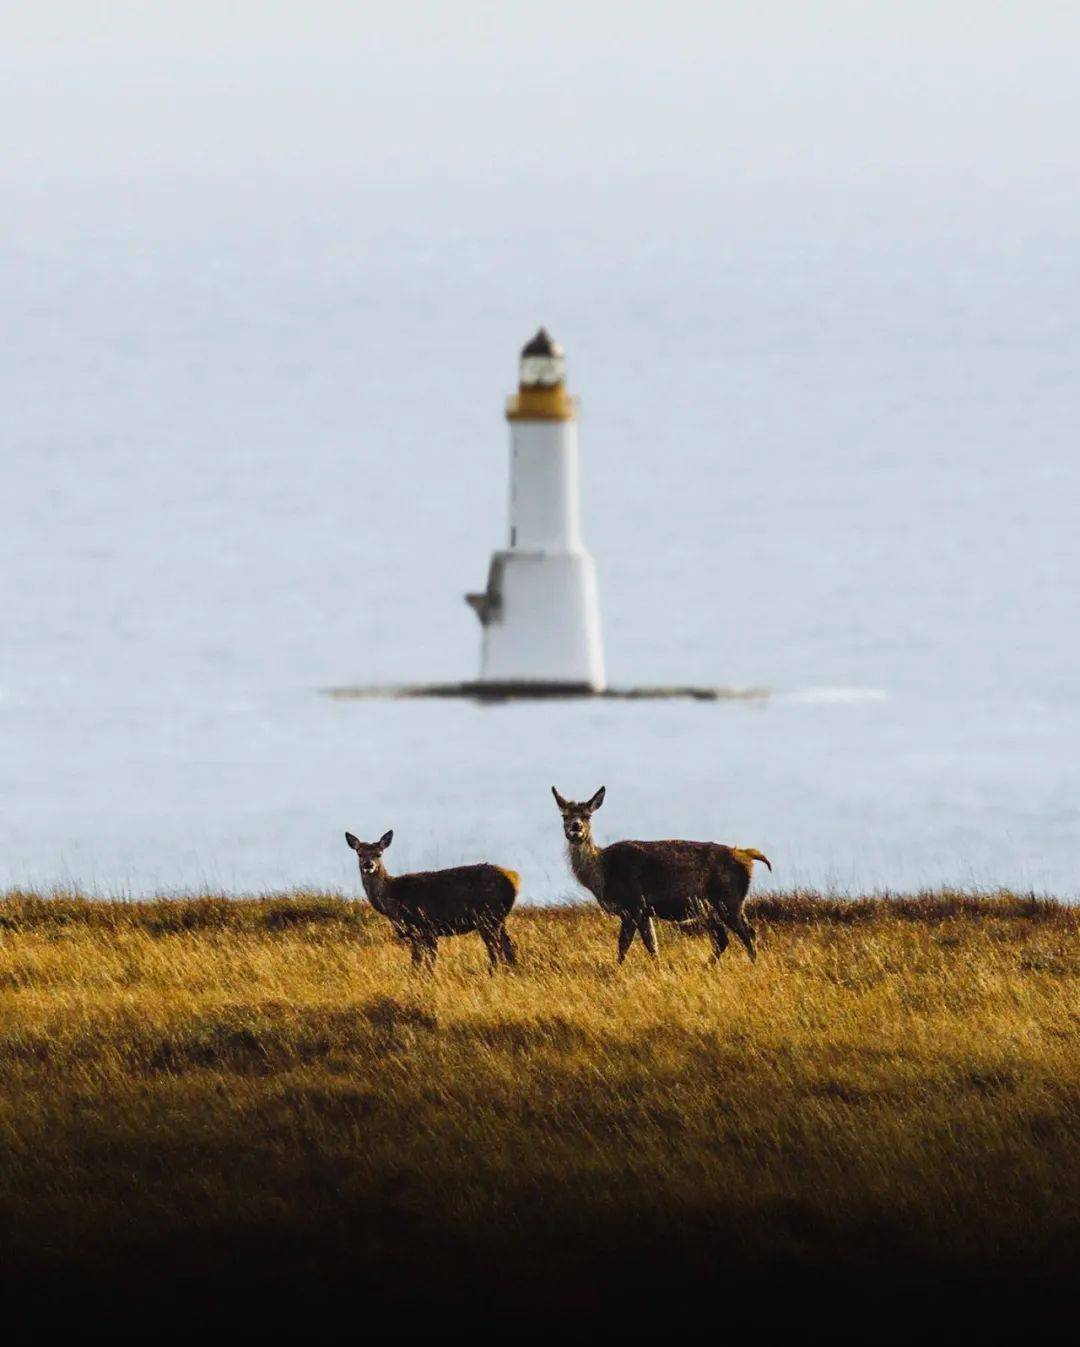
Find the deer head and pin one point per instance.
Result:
(577, 817)
(369, 854)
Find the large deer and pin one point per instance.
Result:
(696, 884)
(433, 903)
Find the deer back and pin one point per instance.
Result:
(454, 901)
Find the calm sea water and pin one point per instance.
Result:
(258, 332)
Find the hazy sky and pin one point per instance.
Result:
(556, 30)
(933, 96)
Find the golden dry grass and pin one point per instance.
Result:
(209, 1097)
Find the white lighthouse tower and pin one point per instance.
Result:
(540, 613)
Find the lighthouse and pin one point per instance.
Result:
(540, 614)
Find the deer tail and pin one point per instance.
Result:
(512, 876)
(750, 854)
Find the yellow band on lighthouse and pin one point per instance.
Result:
(533, 402)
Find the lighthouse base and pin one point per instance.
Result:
(510, 692)
(541, 620)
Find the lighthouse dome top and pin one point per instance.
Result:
(543, 362)
(542, 344)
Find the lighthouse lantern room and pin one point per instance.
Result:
(540, 614)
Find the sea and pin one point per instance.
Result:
(262, 308)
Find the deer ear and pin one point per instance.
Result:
(354, 842)
(386, 839)
(558, 798)
(598, 799)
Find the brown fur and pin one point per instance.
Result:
(698, 885)
(425, 906)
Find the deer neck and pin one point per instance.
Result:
(377, 888)
(587, 865)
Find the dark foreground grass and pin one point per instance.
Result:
(215, 1102)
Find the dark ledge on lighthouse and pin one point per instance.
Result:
(506, 692)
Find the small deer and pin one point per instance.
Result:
(424, 906)
(698, 885)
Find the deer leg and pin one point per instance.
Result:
(507, 948)
(425, 951)
(494, 950)
(627, 931)
(718, 935)
(746, 934)
(647, 929)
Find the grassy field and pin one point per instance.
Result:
(208, 1099)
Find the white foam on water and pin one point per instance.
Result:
(831, 696)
